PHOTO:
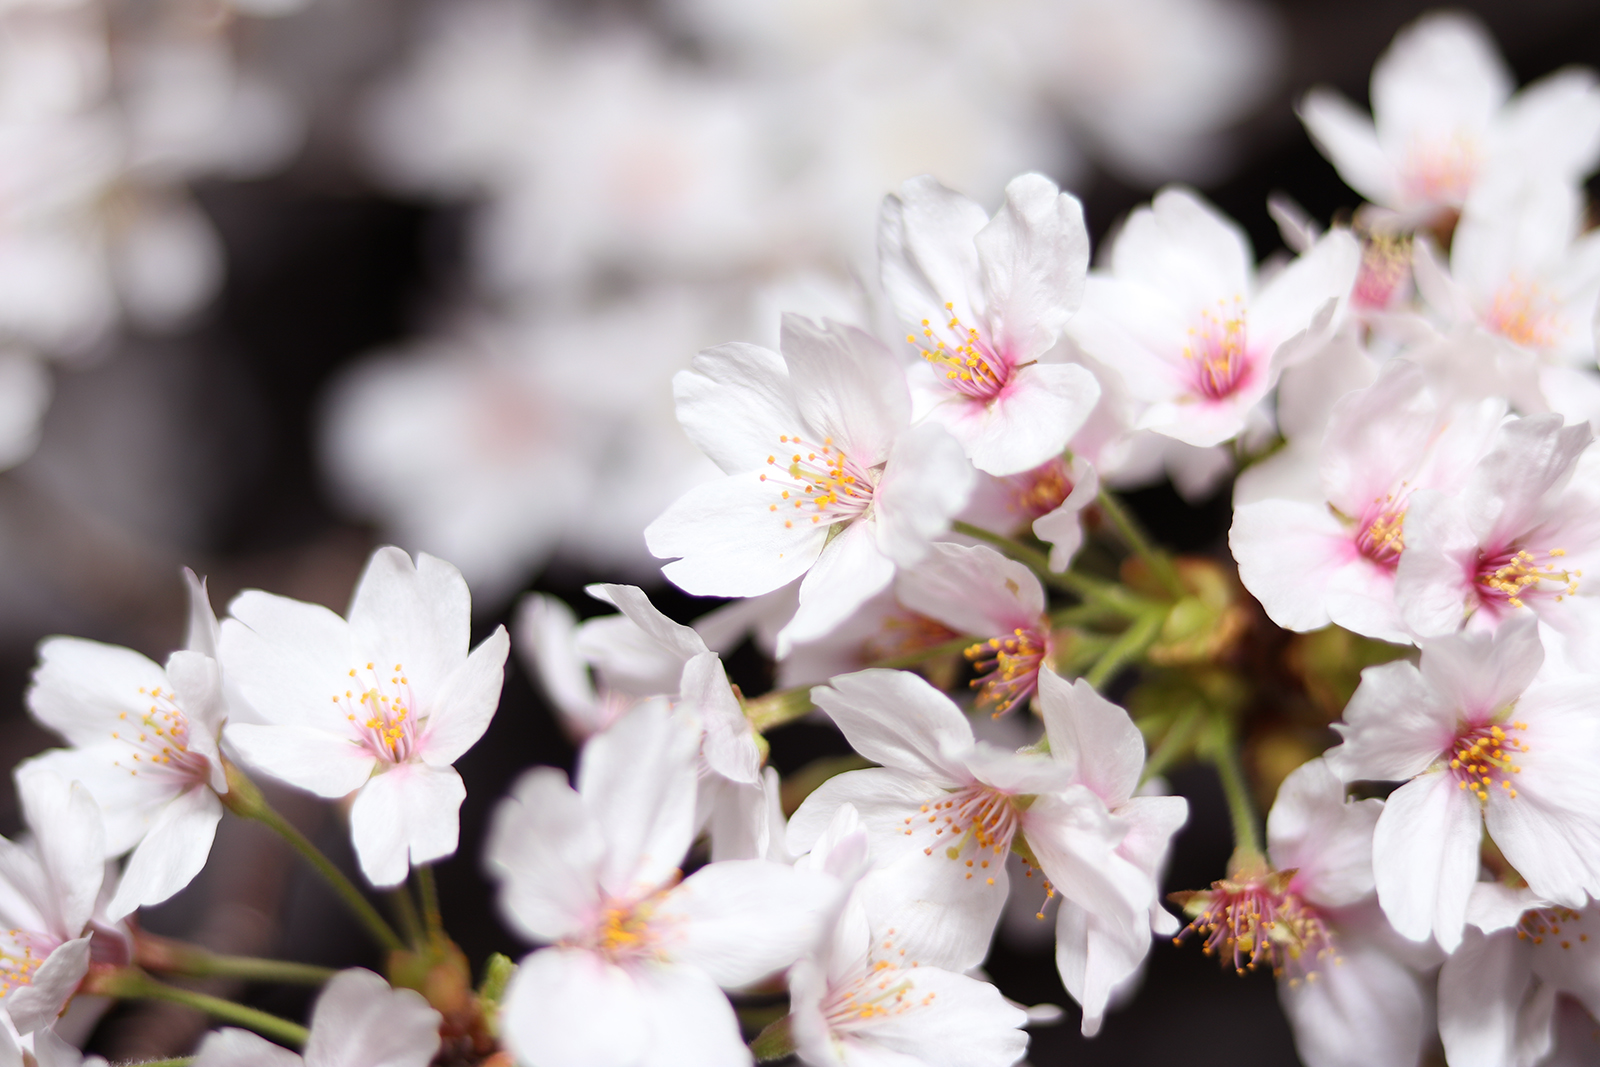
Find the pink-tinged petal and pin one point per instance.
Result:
(926, 483)
(327, 764)
(1377, 437)
(36, 1005)
(1396, 725)
(465, 701)
(1093, 735)
(81, 688)
(688, 1020)
(1030, 421)
(972, 590)
(848, 573)
(1366, 1010)
(287, 656)
(733, 402)
(229, 1047)
(418, 615)
(1033, 257)
(1297, 296)
(883, 798)
(1425, 858)
(925, 243)
(848, 387)
(545, 849)
(956, 1021)
(1094, 958)
(637, 780)
(197, 679)
(1347, 137)
(69, 838)
(1184, 247)
(728, 743)
(171, 854)
(1433, 583)
(1075, 840)
(359, 1021)
(1062, 529)
(728, 541)
(1324, 837)
(742, 920)
(545, 632)
(567, 1007)
(203, 631)
(897, 719)
(1491, 1011)
(1360, 598)
(408, 815)
(1531, 457)
(1481, 673)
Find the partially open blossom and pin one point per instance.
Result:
(1196, 338)
(380, 704)
(986, 300)
(636, 956)
(1048, 499)
(358, 1021)
(826, 478)
(1443, 120)
(1482, 740)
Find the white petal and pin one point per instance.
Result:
(203, 631)
(570, 1008)
(1034, 256)
(925, 484)
(359, 1021)
(81, 688)
(925, 243)
(197, 679)
(638, 782)
(1491, 1012)
(287, 657)
(545, 633)
(1297, 295)
(1029, 422)
(848, 387)
(1325, 838)
(37, 1004)
(690, 1023)
(897, 719)
(171, 854)
(734, 402)
(682, 642)
(230, 1047)
(1365, 1010)
(728, 542)
(1425, 858)
(410, 810)
(1479, 673)
(1093, 735)
(1348, 139)
(465, 701)
(419, 616)
(1288, 551)
(955, 1021)
(848, 573)
(882, 797)
(972, 589)
(70, 839)
(546, 850)
(1396, 725)
(728, 744)
(1095, 957)
(745, 919)
(317, 761)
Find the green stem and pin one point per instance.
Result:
(774, 1043)
(430, 901)
(778, 707)
(245, 800)
(1173, 743)
(132, 983)
(1159, 562)
(1224, 754)
(179, 957)
(405, 910)
(1132, 641)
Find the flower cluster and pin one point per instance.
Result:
(911, 518)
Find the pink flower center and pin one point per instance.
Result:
(1485, 757)
(1040, 491)
(1385, 263)
(971, 366)
(817, 483)
(905, 633)
(974, 826)
(160, 740)
(887, 989)
(1524, 313)
(1256, 921)
(21, 955)
(381, 710)
(626, 930)
(1382, 535)
(1441, 171)
(1217, 353)
(1542, 923)
(1008, 667)
(1511, 576)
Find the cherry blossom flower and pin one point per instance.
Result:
(1498, 993)
(1049, 500)
(1443, 120)
(358, 1021)
(1181, 316)
(978, 591)
(944, 809)
(1482, 740)
(379, 704)
(1332, 556)
(1519, 534)
(145, 746)
(48, 891)
(863, 996)
(636, 956)
(986, 300)
(824, 478)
